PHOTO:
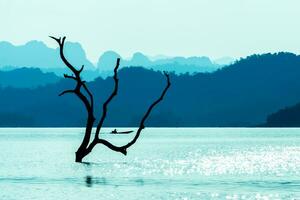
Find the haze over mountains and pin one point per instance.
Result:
(37, 55)
(242, 94)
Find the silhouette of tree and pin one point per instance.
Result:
(87, 99)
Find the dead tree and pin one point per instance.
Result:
(84, 94)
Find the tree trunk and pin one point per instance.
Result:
(79, 156)
(87, 99)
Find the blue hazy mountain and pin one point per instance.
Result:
(26, 78)
(241, 94)
(178, 65)
(36, 54)
(107, 61)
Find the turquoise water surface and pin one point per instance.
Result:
(165, 163)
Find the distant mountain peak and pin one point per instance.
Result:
(107, 60)
(35, 43)
(37, 54)
(139, 59)
(5, 44)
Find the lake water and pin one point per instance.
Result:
(177, 163)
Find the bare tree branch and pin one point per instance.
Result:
(107, 144)
(89, 105)
(70, 77)
(61, 43)
(142, 123)
(87, 99)
(123, 149)
(66, 91)
(113, 94)
(81, 69)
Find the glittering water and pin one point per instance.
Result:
(164, 164)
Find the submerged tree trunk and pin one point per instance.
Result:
(87, 99)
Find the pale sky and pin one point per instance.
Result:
(214, 28)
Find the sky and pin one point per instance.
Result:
(213, 28)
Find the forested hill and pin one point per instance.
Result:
(242, 94)
(26, 78)
(287, 117)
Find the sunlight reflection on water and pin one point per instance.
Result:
(164, 164)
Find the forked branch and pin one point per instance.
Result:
(110, 98)
(87, 99)
(123, 149)
(87, 102)
(142, 123)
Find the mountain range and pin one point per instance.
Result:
(26, 78)
(37, 55)
(244, 93)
